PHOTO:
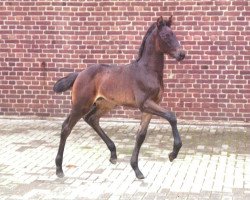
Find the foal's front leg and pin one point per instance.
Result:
(151, 107)
(139, 140)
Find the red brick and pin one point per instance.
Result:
(69, 36)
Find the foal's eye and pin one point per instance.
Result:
(168, 35)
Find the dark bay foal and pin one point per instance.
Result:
(99, 88)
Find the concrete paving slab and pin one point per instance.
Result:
(213, 163)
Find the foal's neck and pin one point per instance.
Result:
(152, 59)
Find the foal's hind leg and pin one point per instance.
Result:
(92, 118)
(67, 126)
(139, 140)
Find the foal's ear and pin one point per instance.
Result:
(160, 22)
(169, 22)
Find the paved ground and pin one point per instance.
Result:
(214, 162)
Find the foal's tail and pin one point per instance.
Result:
(65, 83)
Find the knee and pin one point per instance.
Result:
(171, 118)
(142, 105)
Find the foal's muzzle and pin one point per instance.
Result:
(180, 55)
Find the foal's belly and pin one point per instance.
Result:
(117, 87)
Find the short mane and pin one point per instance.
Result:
(149, 31)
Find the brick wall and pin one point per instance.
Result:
(41, 41)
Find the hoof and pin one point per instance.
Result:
(139, 175)
(113, 160)
(172, 156)
(59, 173)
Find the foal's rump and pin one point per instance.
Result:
(65, 83)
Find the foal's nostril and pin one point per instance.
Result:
(182, 55)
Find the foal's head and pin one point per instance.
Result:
(167, 41)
